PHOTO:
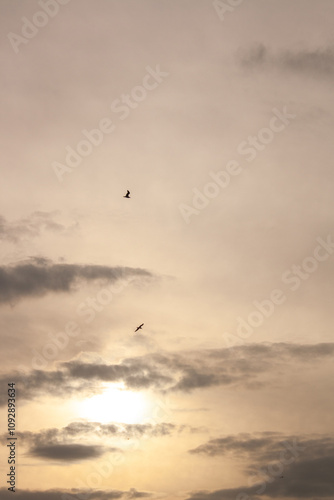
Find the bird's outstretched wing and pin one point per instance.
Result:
(139, 327)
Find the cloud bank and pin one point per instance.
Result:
(281, 466)
(250, 366)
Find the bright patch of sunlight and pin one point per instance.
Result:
(117, 405)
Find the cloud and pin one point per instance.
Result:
(225, 494)
(188, 370)
(39, 276)
(74, 430)
(241, 445)
(61, 444)
(304, 479)
(68, 452)
(250, 366)
(317, 63)
(75, 494)
(265, 446)
(137, 430)
(283, 466)
(32, 226)
(38, 382)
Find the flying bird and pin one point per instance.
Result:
(127, 195)
(139, 327)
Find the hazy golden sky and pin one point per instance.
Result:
(217, 116)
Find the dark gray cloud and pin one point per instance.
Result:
(32, 226)
(318, 63)
(225, 494)
(189, 370)
(40, 276)
(39, 382)
(68, 452)
(304, 479)
(241, 445)
(250, 366)
(282, 466)
(73, 494)
(60, 444)
(265, 446)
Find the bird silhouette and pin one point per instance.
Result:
(127, 195)
(139, 327)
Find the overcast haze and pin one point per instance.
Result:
(218, 118)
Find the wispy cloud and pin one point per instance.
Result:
(33, 226)
(39, 276)
(316, 62)
(73, 443)
(87, 430)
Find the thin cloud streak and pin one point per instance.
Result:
(57, 494)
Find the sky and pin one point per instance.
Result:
(217, 116)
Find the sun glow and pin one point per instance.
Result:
(116, 405)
